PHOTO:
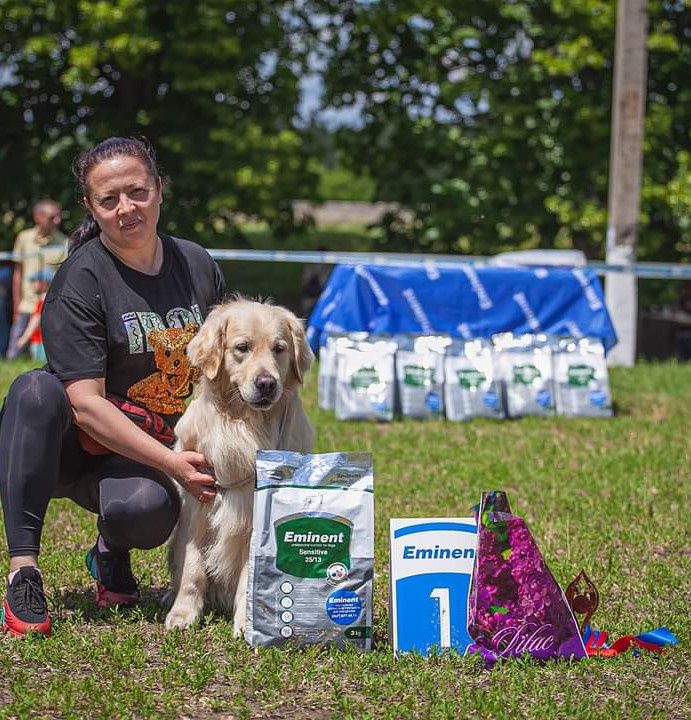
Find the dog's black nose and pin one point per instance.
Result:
(266, 384)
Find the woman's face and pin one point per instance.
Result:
(125, 200)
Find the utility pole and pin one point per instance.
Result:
(625, 169)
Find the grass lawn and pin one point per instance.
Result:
(610, 496)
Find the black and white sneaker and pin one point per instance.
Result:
(25, 609)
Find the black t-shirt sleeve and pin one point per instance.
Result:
(75, 338)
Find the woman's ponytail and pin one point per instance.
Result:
(87, 230)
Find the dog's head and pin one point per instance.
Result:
(256, 348)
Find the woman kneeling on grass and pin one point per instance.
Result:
(95, 424)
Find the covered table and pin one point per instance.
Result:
(465, 301)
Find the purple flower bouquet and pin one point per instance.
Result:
(516, 605)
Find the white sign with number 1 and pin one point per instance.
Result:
(431, 564)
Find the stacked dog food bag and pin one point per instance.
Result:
(328, 356)
(365, 380)
(524, 365)
(375, 377)
(580, 378)
(471, 388)
(420, 374)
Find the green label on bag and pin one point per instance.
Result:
(525, 374)
(580, 375)
(307, 546)
(418, 376)
(363, 378)
(470, 378)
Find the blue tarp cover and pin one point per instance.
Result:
(465, 302)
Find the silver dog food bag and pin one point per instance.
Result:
(524, 365)
(326, 387)
(470, 387)
(365, 381)
(420, 375)
(312, 550)
(580, 378)
(328, 356)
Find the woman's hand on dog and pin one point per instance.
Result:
(192, 471)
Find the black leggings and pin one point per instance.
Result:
(41, 458)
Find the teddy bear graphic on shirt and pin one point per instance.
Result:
(165, 390)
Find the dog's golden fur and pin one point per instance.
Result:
(242, 349)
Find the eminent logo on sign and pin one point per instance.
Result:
(413, 552)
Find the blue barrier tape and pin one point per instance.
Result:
(669, 271)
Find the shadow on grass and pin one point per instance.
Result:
(619, 410)
(81, 604)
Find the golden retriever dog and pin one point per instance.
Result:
(252, 357)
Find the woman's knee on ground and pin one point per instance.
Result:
(138, 512)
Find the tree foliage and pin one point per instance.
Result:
(491, 119)
(213, 84)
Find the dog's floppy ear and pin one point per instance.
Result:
(302, 353)
(205, 349)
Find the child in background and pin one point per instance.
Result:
(32, 335)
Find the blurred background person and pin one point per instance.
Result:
(41, 246)
(32, 337)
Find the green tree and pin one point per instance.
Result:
(490, 119)
(213, 84)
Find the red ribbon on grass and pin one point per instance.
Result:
(654, 640)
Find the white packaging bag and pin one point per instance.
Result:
(312, 550)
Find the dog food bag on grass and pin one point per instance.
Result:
(420, 374)
(470, 387)
(326, 387)
(580, 378)
(365, 381)
(524, 365)
(312, 551)
(328, 355)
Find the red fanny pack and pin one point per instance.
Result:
(150, 422)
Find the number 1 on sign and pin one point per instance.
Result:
(442, 595)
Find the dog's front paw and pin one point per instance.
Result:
(182, 617)
(239, 624)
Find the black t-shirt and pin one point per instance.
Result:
(101, 318)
